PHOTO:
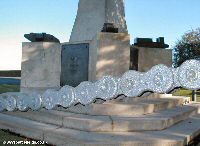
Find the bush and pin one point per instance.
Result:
(188, 47)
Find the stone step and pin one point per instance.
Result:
(45, 116)
(178, 135)
(185, 99)
(25, 127)
(155, 121)
(130, 107)
(156, 96)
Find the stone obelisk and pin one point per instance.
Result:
(91, 16)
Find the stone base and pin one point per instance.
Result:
(109, 55)
(38, 90)
(41, 65)
(162, 122)
(149, 57)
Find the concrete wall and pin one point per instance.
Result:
(41, 66)
(109, 55)
(149, 57)
(91, 16)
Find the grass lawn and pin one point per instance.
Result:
(188, 93)
(9, 88)
(6, 136)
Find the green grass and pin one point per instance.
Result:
(9, 88)
(6, 136)
(188, 93)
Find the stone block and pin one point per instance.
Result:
(41, 66)
(109, 55)
(149, 57)
(88, 123)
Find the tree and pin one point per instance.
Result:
(188, 47)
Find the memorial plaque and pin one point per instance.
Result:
(74, 68)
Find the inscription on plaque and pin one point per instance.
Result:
(75, 59)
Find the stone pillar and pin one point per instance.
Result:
(91, 16)
(149, 57)
(109, 55)
(41, 66)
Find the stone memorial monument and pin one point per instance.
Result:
(99, 45)
(106, 111)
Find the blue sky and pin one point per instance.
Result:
(145, 18)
